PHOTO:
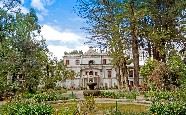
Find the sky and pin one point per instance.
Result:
(60, 25)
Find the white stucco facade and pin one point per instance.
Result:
(93, 67)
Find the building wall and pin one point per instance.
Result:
(99, 66)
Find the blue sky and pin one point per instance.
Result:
(60, 25)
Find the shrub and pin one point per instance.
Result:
(44, 97)
(131, 95)
(50, 95)
(170, 75)
(86, 107)
(168, 108)
(23, 108)
(118, 95)
(167, 103)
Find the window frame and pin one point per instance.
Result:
(67, 62)
(104, 61)
(109, 74)
(77, 62)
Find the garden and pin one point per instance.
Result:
(30, 75)
(153, 98)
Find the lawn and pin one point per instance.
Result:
(70, 107)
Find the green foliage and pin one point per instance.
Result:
(168, 108)
(167, 75)
(23, 58)
(25, 108)
(177, 70)
(74, 52)
(86, 107)
(22, 55)
(148, 68)
(46, 96)
(67, 110)
(119, 95)
(131, 95)
(72, 96)
(90, 103)
(167, 102)
(128, 25)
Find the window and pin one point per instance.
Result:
(91, 73)
(20, 76)
(86, 73)
(91, 62)
(67, 62)
(131, 73)
(96, 73)
(109, 74)
(104, 61)
(77, 62)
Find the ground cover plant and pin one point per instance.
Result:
(49, 95)
(88, 106)
(26, 108)
(119, 94)
(101, 108)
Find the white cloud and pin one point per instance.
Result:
(58, 51)
(22, 1)
(51, 33)
(40, 5)
(40, 17)
(24, 10)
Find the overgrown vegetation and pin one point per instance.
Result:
(127, 28)
(24, 59)
(145, 28)
(154, 28)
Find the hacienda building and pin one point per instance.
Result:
(94, 66)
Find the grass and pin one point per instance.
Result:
(122, 107)
(69, 108)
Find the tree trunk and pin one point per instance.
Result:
(156, 54)
(135, 50)
(122, 76)
(126, 76)
(163, 56)
(135, 60)
(149, 49)
(118, 76)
